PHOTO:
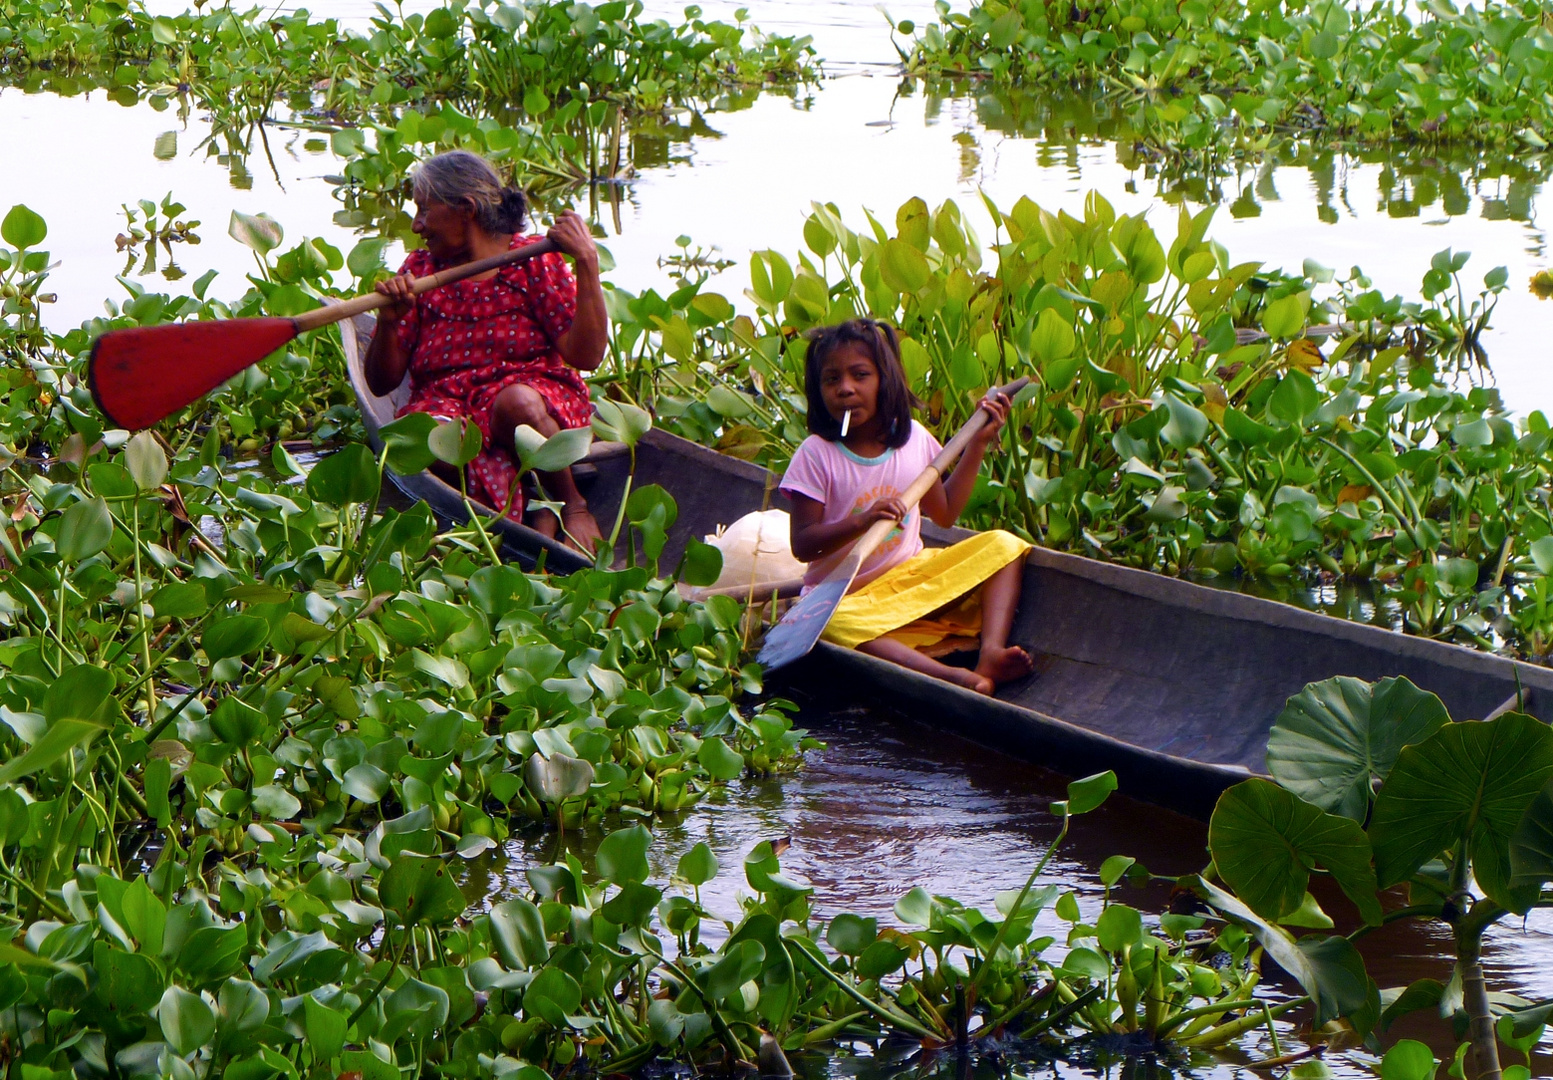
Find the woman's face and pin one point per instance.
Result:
(849, 382)
(444, 229)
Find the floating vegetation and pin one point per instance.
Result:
(1235, 72)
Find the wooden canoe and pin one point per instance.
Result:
(1172, 684)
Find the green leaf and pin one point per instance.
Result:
(1542, 554)
(851, 934)
(420, 889)
(1409, 1059)
(180, 600)
(325, 1029)
(1051, 340)
(237, 723)
(904, 268)
(1187, 426)
(1336, 738)
(620, 421)
(701, 564)
(1089, 793)
(698, 865)
(1294, 398)
(257, 232)
(1244, 430)
(552, 996)
(557, 778)
(350, 475)
(1468, 781)
(720, 759)
(1264, 842)
(406, 442)
(22, 228)
(518, 932)
(1118, 927)
(1531, 847)
(79, 693)
(1285, 317)
(559, 451)
(84, 530)
(622, 855)
(741, 962)
(457, 442)
(187, 1020)
(146, 461)
(235, 635)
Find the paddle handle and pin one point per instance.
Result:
(923, 484)
(333, 313)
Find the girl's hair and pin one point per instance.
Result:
(459, 178)
(877, 339)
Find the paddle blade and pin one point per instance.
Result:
(793, 637)
(144, 374)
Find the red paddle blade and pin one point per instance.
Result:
(146, 373)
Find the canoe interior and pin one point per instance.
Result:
(1156, 670)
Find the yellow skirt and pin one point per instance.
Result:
(916, 602)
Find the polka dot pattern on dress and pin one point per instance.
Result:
(470, 340)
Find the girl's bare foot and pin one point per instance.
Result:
(972, 680)
(1004, 665)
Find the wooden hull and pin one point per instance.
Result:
(1173, 685)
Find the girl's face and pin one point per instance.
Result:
(849, 381)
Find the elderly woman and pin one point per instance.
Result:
(503, 348)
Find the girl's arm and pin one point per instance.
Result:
(813, 539)
(945, 500)
(582, 345)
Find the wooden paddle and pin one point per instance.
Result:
(793, 637)
(144, 374)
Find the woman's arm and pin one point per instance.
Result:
(582, 345)
(386, 360)
(812, 538)
(945, 502)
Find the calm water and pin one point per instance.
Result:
(889, 805)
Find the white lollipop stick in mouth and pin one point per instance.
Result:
(846, 422)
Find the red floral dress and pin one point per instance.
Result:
(470, 340)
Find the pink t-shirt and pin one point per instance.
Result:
(846, 484)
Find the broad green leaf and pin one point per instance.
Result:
(349, 475)
(1187, 426)
(518, 932)
(258, 232)
(146, 461)
(719, 759)
(1468, 781)
(741, 962)
(904, 268)
(1264, 842)
(235, 635)
(1336, 738)
(419, 889)
(84, 530)
(187, 1020)
(698, 865)
(1088, 794)
(1051, 340)
(851, 934)
(558, 777)
(1409, 1059)
(1118, 927)
(701, 564)
(564, 448)
(552, 996)
(622, 855)
(325, 1029)
(1531, 848)
(405, 440)
(22, 228)
(1294, 398)
(1243, 429)
(1285, 317)
(457, 442)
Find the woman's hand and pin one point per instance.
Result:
(996, 407)
(570, 234)
(401, 298)
(888, 509)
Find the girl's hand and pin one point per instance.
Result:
(889, 509)
(401, 299)
(996, 407)
(570, 234)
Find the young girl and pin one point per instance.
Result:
(904, 598)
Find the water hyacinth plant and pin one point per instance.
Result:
(1204, 73)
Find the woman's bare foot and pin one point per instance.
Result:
(971, 680)
(1004, 665)
(580, 527)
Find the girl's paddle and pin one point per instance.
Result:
(146, 373)
(793, 637)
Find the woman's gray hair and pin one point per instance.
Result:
(459, 178)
